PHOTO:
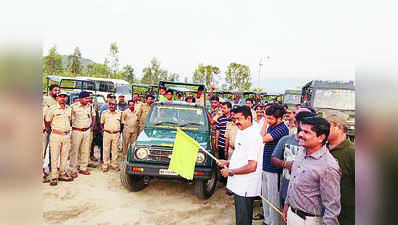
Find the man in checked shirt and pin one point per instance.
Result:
(313, 195)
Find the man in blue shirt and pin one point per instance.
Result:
(276, 130)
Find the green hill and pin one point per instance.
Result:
(84, 62)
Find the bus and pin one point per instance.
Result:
(121, 87)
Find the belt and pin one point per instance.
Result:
(112, 132)
(60, 132)
(302, 214)
(80, 129)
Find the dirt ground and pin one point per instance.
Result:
(100, 198)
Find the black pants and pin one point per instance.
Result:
(243, 210)
(221, 155)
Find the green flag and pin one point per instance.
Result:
(184, 155)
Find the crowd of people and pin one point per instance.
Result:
(302, 163)
(298, 161)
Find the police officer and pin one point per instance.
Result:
(130, 120)
(111, 128)
(82, 124)
(144, 111)
(58, 122)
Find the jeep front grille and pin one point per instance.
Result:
(160, 153)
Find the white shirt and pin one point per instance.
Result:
(259, 125)
(248, 146)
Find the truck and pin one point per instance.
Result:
(332, 95)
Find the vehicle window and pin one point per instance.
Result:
(177, 116)
(291, 99)
(100, 100)
(123, 89)
(335, 98)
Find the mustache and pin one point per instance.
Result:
(237, 124)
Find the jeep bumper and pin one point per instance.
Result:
(161, 170)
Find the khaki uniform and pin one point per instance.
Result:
(137, 110)
(130, 120)
(59, 137)
(81, 139)
(111, 121)
(142, 116)
(215, 115)
(44, 133)
(48, 101)
(230, 134)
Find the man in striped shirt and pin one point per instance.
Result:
(276, 130)
(221, 126)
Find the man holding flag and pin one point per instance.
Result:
(244, 168)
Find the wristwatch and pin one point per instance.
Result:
(230, 173)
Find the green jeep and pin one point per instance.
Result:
(150, 155)
(335, 95)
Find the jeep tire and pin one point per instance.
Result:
(205, 188)
(131, 182)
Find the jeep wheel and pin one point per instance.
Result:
(131, 182)
(205, 188)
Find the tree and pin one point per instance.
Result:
(185, 79)
(128, 73)
(205, 74)
(174, 77)
(238, 77)
(74, 62)
(153, 73)
(52, 63)
(114, 58)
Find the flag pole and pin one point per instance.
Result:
(209, 154)
(266, 200)
(272, 206)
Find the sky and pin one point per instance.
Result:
(297, 41)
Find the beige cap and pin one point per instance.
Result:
(63, 93)
(336, 117)
(112, 101)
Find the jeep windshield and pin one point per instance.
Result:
(177, 116)
(123, 89)
(291, 99)
(335, 99)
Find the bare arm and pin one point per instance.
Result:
(250, 167)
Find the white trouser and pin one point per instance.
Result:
(294, 219)
(269, 190)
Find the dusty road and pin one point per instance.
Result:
(101, 199)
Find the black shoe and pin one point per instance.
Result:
(228, 192)
(259, 216)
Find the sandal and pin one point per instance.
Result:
(259, 216)
(45, 179)
(53, 182)
(65, 177)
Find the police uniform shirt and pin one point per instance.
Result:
(111, 120)
(59, 118)
(49, 101)
(144, 113)
(82, 115)
(130, 120)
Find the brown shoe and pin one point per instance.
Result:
(45, 179)
(65, 177)
(53, 182)
(116, 168)
(92, 165)
(92, 158)
(105, 169)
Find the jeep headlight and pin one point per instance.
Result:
(141, 153)
(200, 158)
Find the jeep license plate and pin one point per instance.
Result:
(167, 172)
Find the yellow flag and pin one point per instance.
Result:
(184, 155)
